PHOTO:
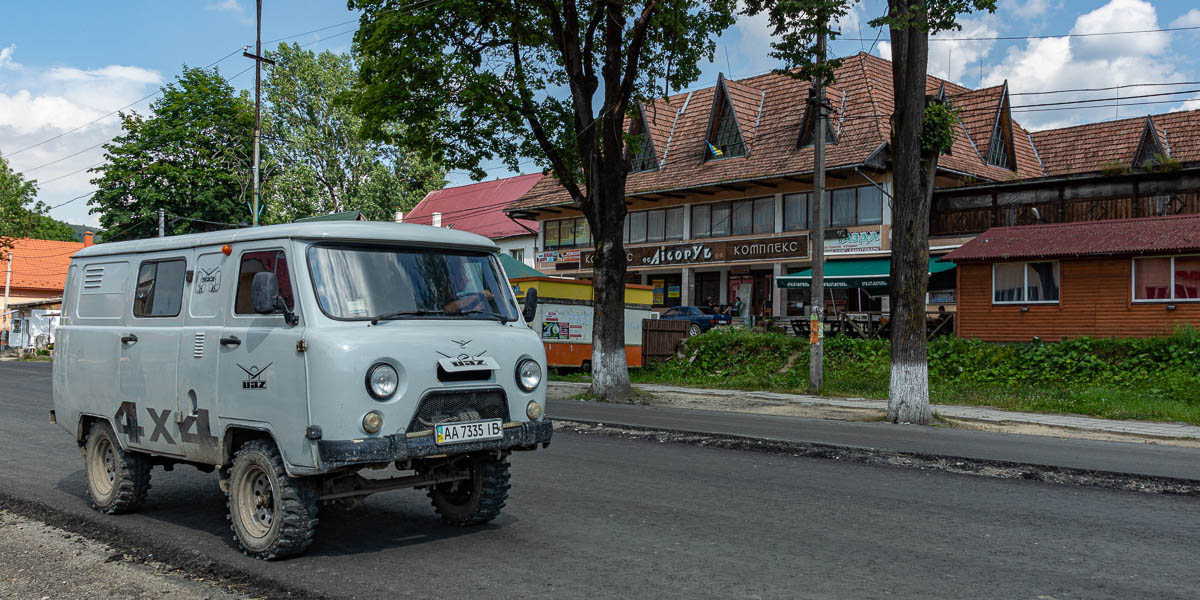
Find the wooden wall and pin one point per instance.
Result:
(1095, 300)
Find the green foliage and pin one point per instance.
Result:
(797, 25)
(473, 81)
(937, 130)
(1115, 167)
(1123, 378)
(188, 157)
(1161, 163)
(323, 164)
(18, 204)
(44, 227)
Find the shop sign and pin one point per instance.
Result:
(556, 256)
(853, 241)
(701, 252)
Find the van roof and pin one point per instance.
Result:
(327, 231)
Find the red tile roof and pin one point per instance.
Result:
(38, 264)
(1088, 148)
(477, 207)
(1150, 235)
(863, 102)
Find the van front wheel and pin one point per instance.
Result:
(273, 515)
(117, 481)
(475, 500)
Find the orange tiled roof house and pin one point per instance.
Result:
(38, 271)
(719, 192)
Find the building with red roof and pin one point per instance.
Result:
(479, 208)
(35, 274)
(1118, 277)
(719, 190)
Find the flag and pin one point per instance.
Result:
(715, 150)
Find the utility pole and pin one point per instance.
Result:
(7, 279)
(258, 61)
(161, 228)
(816, 339)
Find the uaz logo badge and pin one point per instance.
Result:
(254, 383)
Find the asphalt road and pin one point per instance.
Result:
(598, 517)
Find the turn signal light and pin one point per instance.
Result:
(227, 249)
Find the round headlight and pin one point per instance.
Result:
(382, 381)
(372, 422)
(533, 410)
(529, 374)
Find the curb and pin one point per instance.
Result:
(913, 460)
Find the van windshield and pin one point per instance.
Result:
(383, 282)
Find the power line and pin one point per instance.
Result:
(1000, 38)
(1104, 89)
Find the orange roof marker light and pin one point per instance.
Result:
(227, 249)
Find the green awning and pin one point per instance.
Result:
(515, 268)
(866, 273)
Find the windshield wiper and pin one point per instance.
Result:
(420, 312)
(503, 319)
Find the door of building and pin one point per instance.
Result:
(762, 290)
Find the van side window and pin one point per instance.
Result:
(159, 288)
(268, 261)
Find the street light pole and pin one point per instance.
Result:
(7, 280)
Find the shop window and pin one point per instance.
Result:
(743, 217)
(720, 219)
(795, 211)
(567, 233)
(637, 227)
(870, 205)
(702, 220)
(1166, 278)
(1025, 283)
(675, 223)
(764, 215)
(656, 226)
(843, 211)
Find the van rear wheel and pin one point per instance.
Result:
(117, 480)
(273, 515)
(475, 500)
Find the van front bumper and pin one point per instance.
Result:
(403, 446)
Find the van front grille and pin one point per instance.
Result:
(445, 406)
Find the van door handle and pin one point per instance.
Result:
(231, 341)
(129, 339)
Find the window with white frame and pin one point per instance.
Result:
(663, 224)
(1025, 283)
(1170, 278)
(517, 253)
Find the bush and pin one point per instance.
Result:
(1114, 377)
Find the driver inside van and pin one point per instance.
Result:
(465, 300)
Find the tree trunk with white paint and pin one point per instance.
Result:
(908, 393)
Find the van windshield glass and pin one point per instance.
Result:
(380, 282)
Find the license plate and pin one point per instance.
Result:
(474, 431)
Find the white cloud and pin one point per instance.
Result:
(232, 8)
(1042, 65)
(1189, 19)
(6, 57)
(58, 100)
(885, 50)
(954, 60)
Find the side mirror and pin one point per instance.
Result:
(530, 309)
(264, 291)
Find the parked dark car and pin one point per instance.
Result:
(703, 318)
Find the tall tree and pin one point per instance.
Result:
(471, 80)
(185, 158)
(323, 163)
(21, 214)
(916, 143)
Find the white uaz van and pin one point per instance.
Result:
(290, 357)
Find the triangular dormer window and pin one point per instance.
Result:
(724, 138)
(641, 147)
(1150, 150)
(1000, 145)
(808, 128)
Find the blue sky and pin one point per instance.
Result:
(65, 67)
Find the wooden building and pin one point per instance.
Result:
(1121, 277)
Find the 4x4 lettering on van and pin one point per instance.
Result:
(203, 433)
(255, 381)
(160, 425)
(127, 421)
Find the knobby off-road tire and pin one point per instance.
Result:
(273, 515)
(117, 481)
(476, 500)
